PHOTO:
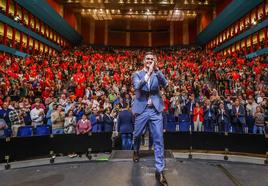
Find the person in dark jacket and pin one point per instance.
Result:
(108, 121)
(190, 110)
(125, 124)
(238, 115)
(4, 113)
(209, 117)
(223, 118)
(96, 120)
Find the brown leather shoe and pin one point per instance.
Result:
(136, 156)
(160, 177)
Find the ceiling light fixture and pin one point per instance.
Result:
(164, 2)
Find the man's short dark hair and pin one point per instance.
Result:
(148, 53)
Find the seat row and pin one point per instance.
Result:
(28, 130)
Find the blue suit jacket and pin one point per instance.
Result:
(188, 107)
(143, 92)
(108, 123)
(242, 114)
(125, 122)
(212, 112)
(226, 116)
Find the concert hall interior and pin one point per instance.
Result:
(133, 92)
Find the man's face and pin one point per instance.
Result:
(237, 102)
(5, 105)
(59, 108)
(16, 105)
(148, 60)
(37, 105)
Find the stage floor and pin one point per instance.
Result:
(125, 173)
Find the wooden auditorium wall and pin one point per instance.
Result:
(178, 32)
(56, 6)
(67, 12)
(139, 38)
(135, 33)
(162, 37)
(192, 30)
(221, 4)
(205, 18)
(116, 36)
(70, 17)
(85, 29)
(99, 28)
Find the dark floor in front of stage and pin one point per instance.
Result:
(126, 173)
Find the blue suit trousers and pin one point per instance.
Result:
(153, 118)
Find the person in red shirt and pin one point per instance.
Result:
(79, 91)
(46, 93)
(166, 103)
(198, 117)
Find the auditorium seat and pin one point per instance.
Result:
(170, 117)
(184, 122)
(171, 127)
(8, 132)
(42, 130)
(24, 131)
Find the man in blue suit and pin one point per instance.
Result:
(209, 117)
(147, 108)
(190, 110)
(223, 118)
(239, 119)
(125, 127)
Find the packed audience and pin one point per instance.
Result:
(85, 89)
